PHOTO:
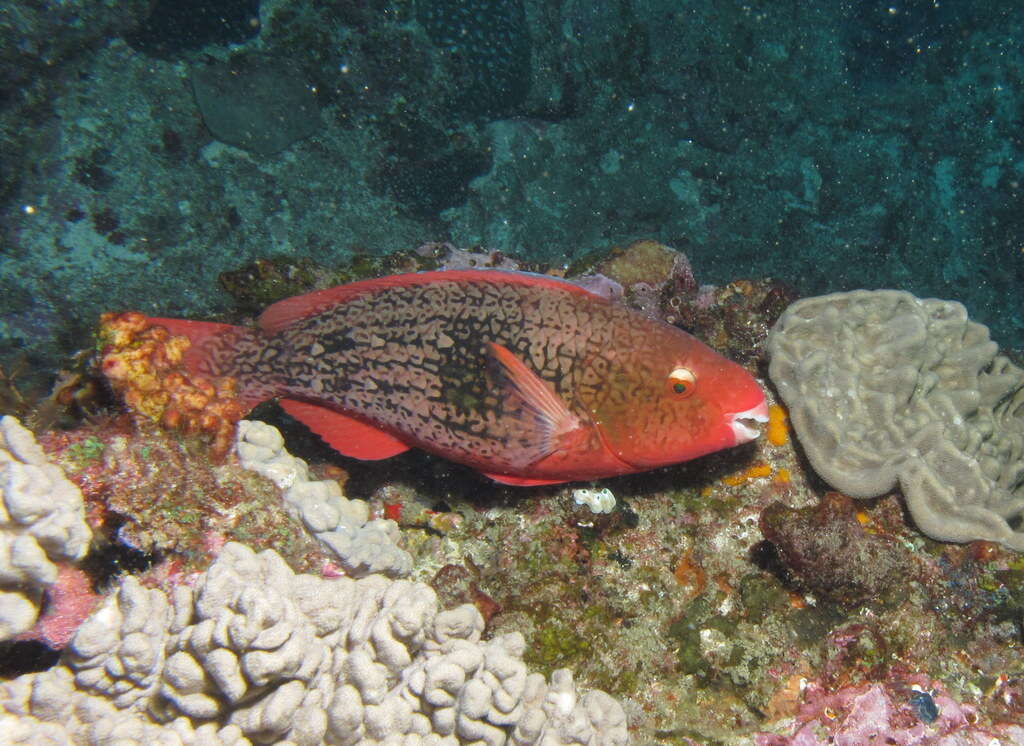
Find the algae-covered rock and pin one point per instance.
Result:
(256, 103)
(831, 554)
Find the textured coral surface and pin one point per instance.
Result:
(888, 389)
(732, 599)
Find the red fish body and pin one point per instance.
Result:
(526, 378)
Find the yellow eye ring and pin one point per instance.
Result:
(682, 382)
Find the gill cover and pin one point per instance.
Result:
(671, 400)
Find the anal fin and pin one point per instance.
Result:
(347, 435)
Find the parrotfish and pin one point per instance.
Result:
(527, 378)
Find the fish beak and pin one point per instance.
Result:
(744, 424)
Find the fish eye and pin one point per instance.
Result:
(682, 382)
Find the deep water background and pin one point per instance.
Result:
(832, 145)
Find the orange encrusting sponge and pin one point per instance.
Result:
(778, 432)
(756, 471)
(144, 363)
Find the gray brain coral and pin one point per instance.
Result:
(887, 389)
(255, 654)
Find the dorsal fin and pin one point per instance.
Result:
(288, 311)
(347, 435)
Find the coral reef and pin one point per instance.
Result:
(728, 600)
(884, 388)
(252, 652)
(362, 545)
(42, 523)
(724, 600)
(160, 498)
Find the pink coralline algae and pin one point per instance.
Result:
(915, 712)
(68, 602)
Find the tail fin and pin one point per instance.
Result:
(192, 376)
(216, 351)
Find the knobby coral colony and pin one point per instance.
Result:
(42, 523)
(251, 652)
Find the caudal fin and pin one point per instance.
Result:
(159, 365)
(219, 351)
(186, 375)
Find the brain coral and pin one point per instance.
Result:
(887, 389)
(42, 522)
(253, 653)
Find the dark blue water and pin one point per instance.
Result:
(833, 145)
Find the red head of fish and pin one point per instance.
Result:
(670, 398)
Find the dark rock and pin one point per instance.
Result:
(177, 26)
(256, 103)
(829, 553)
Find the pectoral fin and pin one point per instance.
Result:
(547, 424)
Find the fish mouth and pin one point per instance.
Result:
(744, 424)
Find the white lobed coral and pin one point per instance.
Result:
(362, 545)
(254, 653)
(42, 521)
(50, 709)
(887, 389)
(598, 500)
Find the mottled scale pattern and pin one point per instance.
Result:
(415, 359)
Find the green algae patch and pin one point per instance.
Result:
(556, 645)
(698, 619)
(811, 624)
(86, 451)
(762, 595)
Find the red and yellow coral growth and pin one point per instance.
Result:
(144, 363)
